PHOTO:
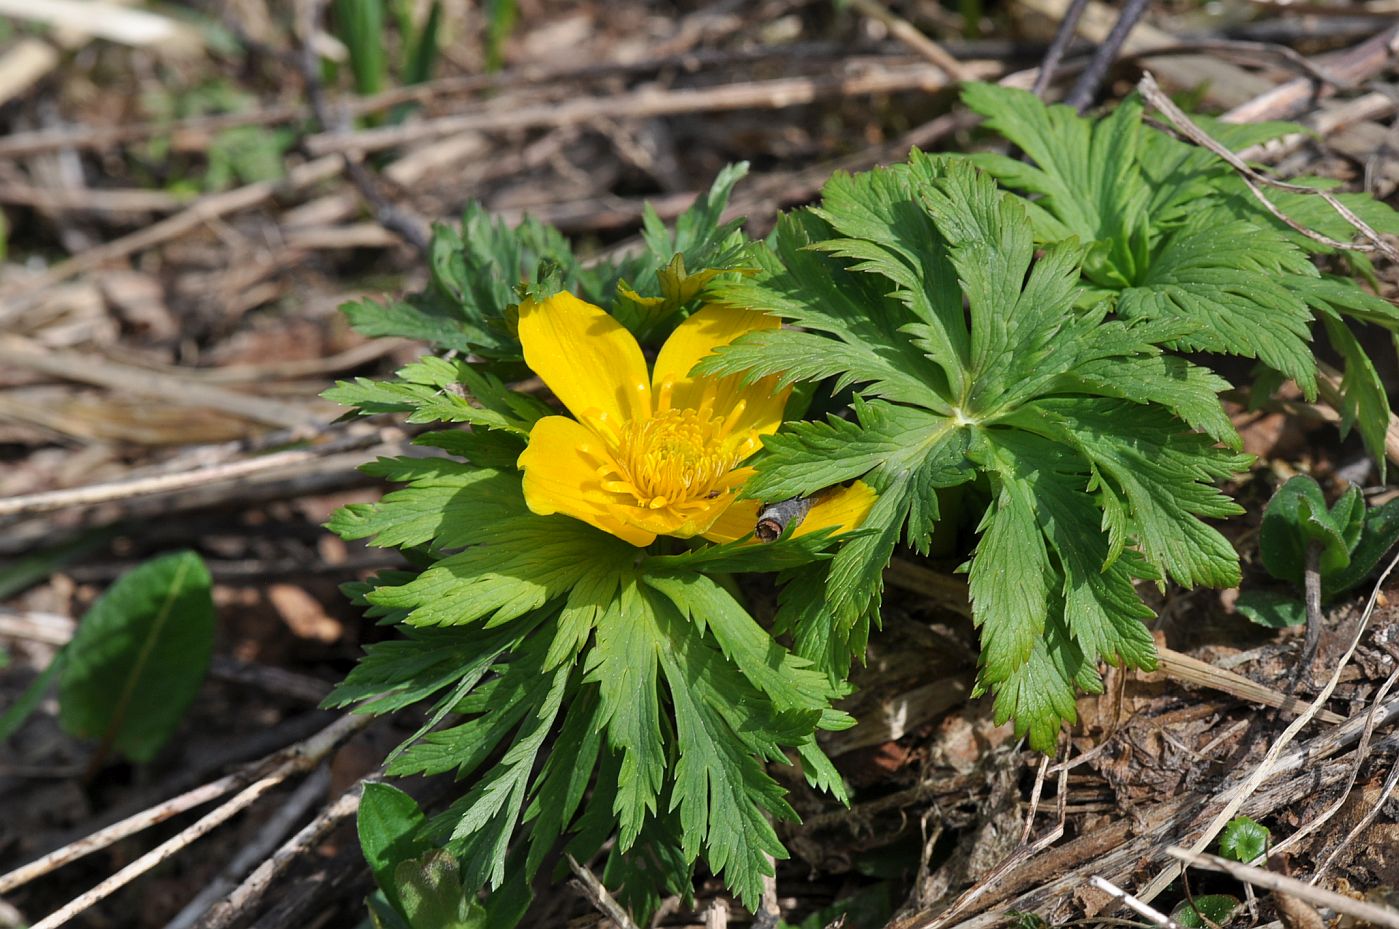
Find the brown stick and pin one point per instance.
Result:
(642, 104)
(20, 352)
(1354, 65)
(1360, 910)
(1253, 179)
(198, 213)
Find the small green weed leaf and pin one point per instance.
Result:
(1272, 609)
(1208, 910)
(1297, 517)
(360, 25)
(1244, 839)
(1378, 535)
(29, 701)
(432, 894)
(139, 656)
(388, 822)
(423, 47)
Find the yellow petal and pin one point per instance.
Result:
(751, 411)
(561, 466)
(587, 358)
(841, 508)
(737, 522)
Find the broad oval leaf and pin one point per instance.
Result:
(139, 656)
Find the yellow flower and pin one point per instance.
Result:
(659, 453)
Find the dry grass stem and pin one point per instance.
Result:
(298, 759)
(202, 211)
(1132, 903)
(599, 896)
(254, 888)
(777, 93)
(1361, 910)
(1152, 92)
(199, 477)
(311, 792)
(1268, 766)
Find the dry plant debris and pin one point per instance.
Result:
(179, 225)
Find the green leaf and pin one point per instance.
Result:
(483, 821)
(746, 557)
(433, 896)
(624, 665)
(1207, 910)
(387, 823)
(1378, 536)
(446, 503)
(1272, 609)
(563, 781)
(435, 390)
(1230, 278)
(1362, 400)
(817, 292)
(526, 562)
(721, 791)
(360, 25)
(808, 457)
(401, 672)
(1243, 840)
(435, 321)
(1012, 582)
(788, 681)
(139, 656)
(1085, 172)
(422, 48)
(1165, 479)
(1296, 517)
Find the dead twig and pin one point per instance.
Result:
(20, 352)
(93, 494)
(646, 103)
(120, 830)
(411, 229)
(1360, 910)
(297, 760)
(1132, 903)
(598, 895)
(1365, 821)
(1086, 88)
(1351, 66)
(1063, 35)
(1268, 766)
(247, 894)
(909, 34)
(1253, 179)
(1361, 753)
(311, 791)
(202, 211)
(1194, 671)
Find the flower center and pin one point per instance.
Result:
(673, 457)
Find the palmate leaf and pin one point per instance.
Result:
(434, 390)
(1214, 255)
(563, 664)
(1080, 424)
(1233, 280)
(1084, 172)
(474, 273)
